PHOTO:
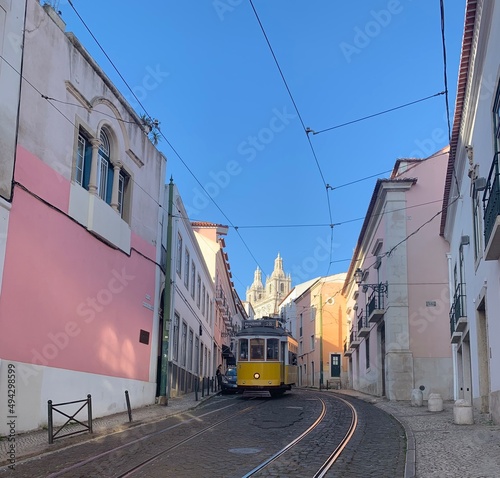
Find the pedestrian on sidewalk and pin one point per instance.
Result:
(218, 375)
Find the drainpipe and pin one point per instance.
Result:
(453, 346)
(167, 301)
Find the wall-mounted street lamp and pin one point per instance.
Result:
(382, 287)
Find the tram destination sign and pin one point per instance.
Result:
(274, 323)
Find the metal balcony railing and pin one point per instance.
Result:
(491, 199)
(375, 301)
(362, 321)
(458, 307)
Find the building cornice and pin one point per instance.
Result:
(463, 79)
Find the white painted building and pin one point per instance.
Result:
(190, 303)
(471, 212)
(229, 310)
(11, 39)
(288, 307)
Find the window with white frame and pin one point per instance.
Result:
(183, 344)
(476, 219)
(193, 279)
(203, 300)
(105, 170)
(211, 312)
(178, 263)
(175, 338)
(104, 189)
(196, 354)
(186, 268)
(83, 160)
(312, 342)
(190, 350)
(198, 291)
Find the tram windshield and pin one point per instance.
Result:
(257, 349)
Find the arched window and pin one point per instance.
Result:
(104, 169)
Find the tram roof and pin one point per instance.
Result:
(270, 327)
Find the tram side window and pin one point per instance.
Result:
(243, 349)
(257, 349)
(292, 358)
(273, 349)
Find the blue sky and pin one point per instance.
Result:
(203, 68)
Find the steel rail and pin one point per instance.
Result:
(340, 448)
(150, 435)
(291, 444)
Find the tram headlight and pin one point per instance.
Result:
(256, 375)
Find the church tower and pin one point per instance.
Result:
(265, 300)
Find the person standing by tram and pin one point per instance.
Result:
(218, 375)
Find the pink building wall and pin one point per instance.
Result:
(427, 264)
(69, 300)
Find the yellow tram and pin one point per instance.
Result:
(266, 357)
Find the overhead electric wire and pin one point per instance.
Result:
(162, 134)
(70, 121)
(347, 221)
(306, 130)
(445, 76)
(378, 114)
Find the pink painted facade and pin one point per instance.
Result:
(399, 322)
(80, 288)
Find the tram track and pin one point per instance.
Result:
(91, 461)
(308, 433)
(333, 456)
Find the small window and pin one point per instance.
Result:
(190, 350)
(183, 344)
(203, 300)
(178, 266)
(175, 338)
(193, 279)
(187, 261)
(198, 291)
